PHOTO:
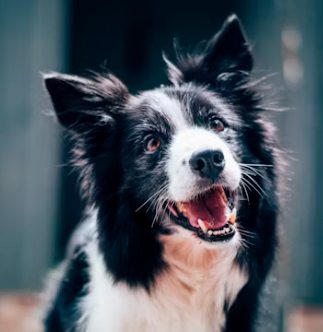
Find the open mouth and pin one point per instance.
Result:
(211, 215)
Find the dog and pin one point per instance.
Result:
(181, 183)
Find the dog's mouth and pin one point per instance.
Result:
(211, 215)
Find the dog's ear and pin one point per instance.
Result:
(228, 49)
(227, 52)
(81, 103)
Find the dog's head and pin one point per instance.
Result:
(170, 159)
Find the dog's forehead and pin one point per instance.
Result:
(178, 106)
(167, 106)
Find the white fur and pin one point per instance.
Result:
(84, 233)
(183, 183)
(168, 107)
(174, 74)
(52, 285)
(189, 296)
(67, 78)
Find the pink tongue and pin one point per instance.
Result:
(210, 209)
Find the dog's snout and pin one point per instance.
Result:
(208, 163)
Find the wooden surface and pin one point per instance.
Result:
(305, 319)
(18, 313)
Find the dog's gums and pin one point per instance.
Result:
(211, 215)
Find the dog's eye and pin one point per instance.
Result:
(153, 144)
(217, 124)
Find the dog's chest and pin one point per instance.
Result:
(189, 296)
(192, 294)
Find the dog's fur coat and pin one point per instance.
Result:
(129, 266)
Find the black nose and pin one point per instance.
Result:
(208, 164)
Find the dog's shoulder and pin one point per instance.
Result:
(68, 283)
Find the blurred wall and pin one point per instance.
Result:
(303, 51)
(31, 40)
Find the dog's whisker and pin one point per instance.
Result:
(246, 184)
(256, 184)
(154, 202)
(159, 209)
(244, 230)
(245, 190)
(247, 234)
(249, 175)
(249, 171)
(256, 165)
(150, 198)
(158, 204)
(241, 193)
(245, 244)
(254, 172)
(250, 168)
(253, 187)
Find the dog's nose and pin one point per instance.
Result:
(208, 164)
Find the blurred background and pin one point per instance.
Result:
(39, 202)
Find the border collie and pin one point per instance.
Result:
(181, 181)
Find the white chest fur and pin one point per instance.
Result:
(189, 296)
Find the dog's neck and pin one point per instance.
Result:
(199, 279)
(191, 253)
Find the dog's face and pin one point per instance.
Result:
(171, 155)
(181, 144)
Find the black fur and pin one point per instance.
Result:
(109, 133)
(63, 315)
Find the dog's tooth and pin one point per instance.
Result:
(215, 232)
(227, 230)
(181, 207)
(233, 216)
(202, 225)
(209, 232)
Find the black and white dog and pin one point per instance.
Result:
(181, 181)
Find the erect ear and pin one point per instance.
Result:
(81, 103)
(227, 52)
(229, 48)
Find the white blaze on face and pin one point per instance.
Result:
(183, 183)
(168, 107)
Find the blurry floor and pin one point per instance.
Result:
(305, 319)
(18, 313)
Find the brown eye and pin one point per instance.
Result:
(217, 125)
(153, 144)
